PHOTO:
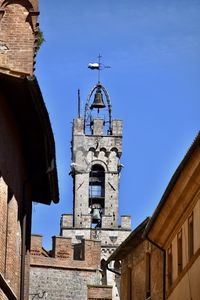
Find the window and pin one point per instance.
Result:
(180, 252)
(97, 182)
(96, 194)
(190, 237)
(95, 191)
(169, 267)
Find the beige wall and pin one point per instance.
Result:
(186, 285)
(189, 286)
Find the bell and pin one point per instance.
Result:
(96, 214)
(98, 100)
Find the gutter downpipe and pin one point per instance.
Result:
(164, 264)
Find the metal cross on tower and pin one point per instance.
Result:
(98, 66)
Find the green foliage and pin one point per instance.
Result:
(40, 39)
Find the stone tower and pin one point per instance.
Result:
(95, 169)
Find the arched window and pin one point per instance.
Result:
(97, 182)
(97, 193)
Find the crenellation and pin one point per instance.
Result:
(98, 127)
(62, 248)
(84, 255)
(36, 244)
(67, 220)
(78, 126)
(117, 127)
(126, 222)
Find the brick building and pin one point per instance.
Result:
(161, 258)
(27, 155)
(95, 170)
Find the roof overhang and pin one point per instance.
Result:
(29, 110)
(180, 193)
(131, 242)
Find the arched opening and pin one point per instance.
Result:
(97, 193)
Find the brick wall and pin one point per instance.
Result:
(134, 273)
(3, 222)
(60, 273)
(62, 254)
(18, 33)
(13, 247)
(99, 292)
(10, 241)
(62, 248)
(13, 174)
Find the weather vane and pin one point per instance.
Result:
(98, 66)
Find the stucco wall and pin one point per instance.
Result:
(186, 284)
(189, 286)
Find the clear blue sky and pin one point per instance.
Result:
(154, 86)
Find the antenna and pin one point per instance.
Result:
(79, 104)
(99, 70)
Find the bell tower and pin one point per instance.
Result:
(96, 152)
(95, 170)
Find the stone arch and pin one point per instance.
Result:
(26, 3)
(30, 6)
(103, 149)
(18, 33)
(113, 159)
(98, 162)
(114, 149)
(97, 193)
(92, 149)
(90, 155)
(102, 154)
